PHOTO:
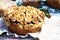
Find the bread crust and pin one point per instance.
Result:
(54, 3)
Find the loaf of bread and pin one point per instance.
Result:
(24, 19)
(54, 3)
(35, 3)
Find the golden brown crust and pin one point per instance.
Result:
(54, 3)
(17, 29)
(35, 3)
(1, 12)
(22, 20)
